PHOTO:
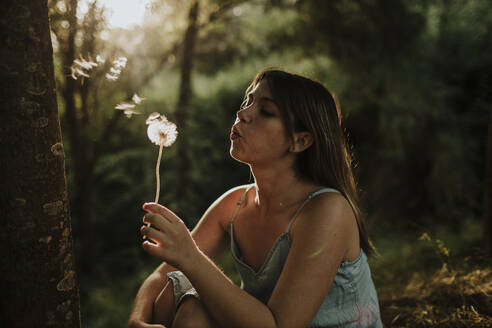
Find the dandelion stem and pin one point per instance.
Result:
(157, 176)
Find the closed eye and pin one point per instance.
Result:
(265, 112)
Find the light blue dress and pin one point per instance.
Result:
(352, 300)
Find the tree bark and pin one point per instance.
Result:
(182, 107)
(39, 286)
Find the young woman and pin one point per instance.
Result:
(296, 234)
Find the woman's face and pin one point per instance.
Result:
(259, 135)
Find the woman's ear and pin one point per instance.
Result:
(301, 142)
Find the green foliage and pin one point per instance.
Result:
(108, 301)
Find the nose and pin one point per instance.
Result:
(243, 115)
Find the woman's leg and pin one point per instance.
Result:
(164, 306)
(192, 313)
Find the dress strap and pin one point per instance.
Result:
(314, 194)
(239, 202)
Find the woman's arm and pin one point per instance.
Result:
(209, 236)
(320, 239)
(322, 235)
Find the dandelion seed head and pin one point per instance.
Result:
(161, 131)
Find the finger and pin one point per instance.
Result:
(159, 209)
(152, 249)
(152, 234)
(157, 220)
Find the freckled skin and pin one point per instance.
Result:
(263, 138)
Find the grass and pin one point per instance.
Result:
(439, 279)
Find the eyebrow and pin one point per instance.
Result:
(269, 100)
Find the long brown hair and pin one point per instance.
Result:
(306, 105)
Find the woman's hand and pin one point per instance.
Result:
(173, 241)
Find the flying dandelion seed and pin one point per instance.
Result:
(81, 73)
(130, 112)
(136, 99)
(85, 64)
(128, 108)
(115, 70)
(124, 106)
(162, 133)
(120, 62)
(152, 117)
(77, 72)
(74, 76)
(111, 77)
(81, 67)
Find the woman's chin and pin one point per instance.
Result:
(235, 155)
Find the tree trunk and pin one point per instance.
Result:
(487, 198)
(39, 286)
(182, 107)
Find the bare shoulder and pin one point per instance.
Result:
(327, 207)
(224, 206)
(325, 213)
(210, 233)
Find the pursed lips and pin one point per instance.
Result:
(235, 132)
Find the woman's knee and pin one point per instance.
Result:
(191, 313)
(164, 305)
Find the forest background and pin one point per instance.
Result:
(413, 79)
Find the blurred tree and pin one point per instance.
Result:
(38, 277)
(182, 108)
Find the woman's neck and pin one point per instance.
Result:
(278, 190)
